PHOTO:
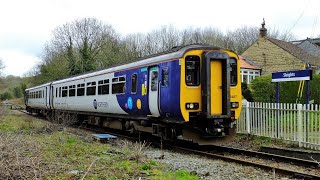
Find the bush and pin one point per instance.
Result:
(246, 92)
(263, 90)
(17, 92)
(5, 95)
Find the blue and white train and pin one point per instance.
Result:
(192, 88)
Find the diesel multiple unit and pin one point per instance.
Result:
(192, 88)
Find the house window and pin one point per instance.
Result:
(80, 89)
(119, 85)
(103, 87)
(248, 75)
(91, 88)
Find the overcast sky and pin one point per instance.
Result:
(27, 24)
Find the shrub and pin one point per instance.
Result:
(5, 95)
(246, 92)
(263, 90)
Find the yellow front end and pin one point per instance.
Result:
(212, 90)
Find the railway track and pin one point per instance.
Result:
(226, 154)
(219, 149)
(264, 155)
(283, 171)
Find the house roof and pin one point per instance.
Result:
(310, 47)
(314, 41)
(296, 51)
(245, 63)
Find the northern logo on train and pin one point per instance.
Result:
(95, 104)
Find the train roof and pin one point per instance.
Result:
(40, 86)
(174, 53)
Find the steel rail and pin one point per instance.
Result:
(249, 163)
(264, 155)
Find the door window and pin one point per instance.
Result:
(154, 80)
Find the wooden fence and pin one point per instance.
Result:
(294, 122)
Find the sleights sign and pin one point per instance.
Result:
(292, 75)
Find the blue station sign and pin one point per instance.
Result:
(292, 75)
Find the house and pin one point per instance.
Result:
(248, 70)
(312, 46)
(273, 55)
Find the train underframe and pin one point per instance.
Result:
(197, 129)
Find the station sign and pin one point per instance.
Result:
(300, 75)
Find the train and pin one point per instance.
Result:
(189, 89)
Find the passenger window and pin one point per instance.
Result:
(233, 71)
(154, 80)
(91, 88)
(134, 78)
(80, 90)
(118, 85)
(56, 92)
(165, 77)
(59, 91)
(72, 90)
(192, 70)
(103, 87)
(65, 91)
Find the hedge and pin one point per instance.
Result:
(263, 90)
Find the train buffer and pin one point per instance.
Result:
(103, 137)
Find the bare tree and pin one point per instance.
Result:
(282, 35)
(242, 38)
(82, 41)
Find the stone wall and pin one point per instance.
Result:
(271, 58)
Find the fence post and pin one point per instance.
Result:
(248, 118)
(300, 124)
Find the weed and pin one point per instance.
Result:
(32, 149)
(146, 167)
(153, 162)
(177, 175)
(134, 151)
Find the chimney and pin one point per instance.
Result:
(263, 30)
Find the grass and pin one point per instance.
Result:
(257, 141)
(33, 148)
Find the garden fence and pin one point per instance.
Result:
(294, 122)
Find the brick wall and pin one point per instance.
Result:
(271, 58)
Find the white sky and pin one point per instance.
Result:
(27, 24)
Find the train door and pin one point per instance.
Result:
(26, 98)
(153, 89)
(47, 98)
(51, 96)
(216, 102)
(216, 87)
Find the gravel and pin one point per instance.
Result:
(208, 168)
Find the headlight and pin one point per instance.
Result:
(234, 104)
(192, 106)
